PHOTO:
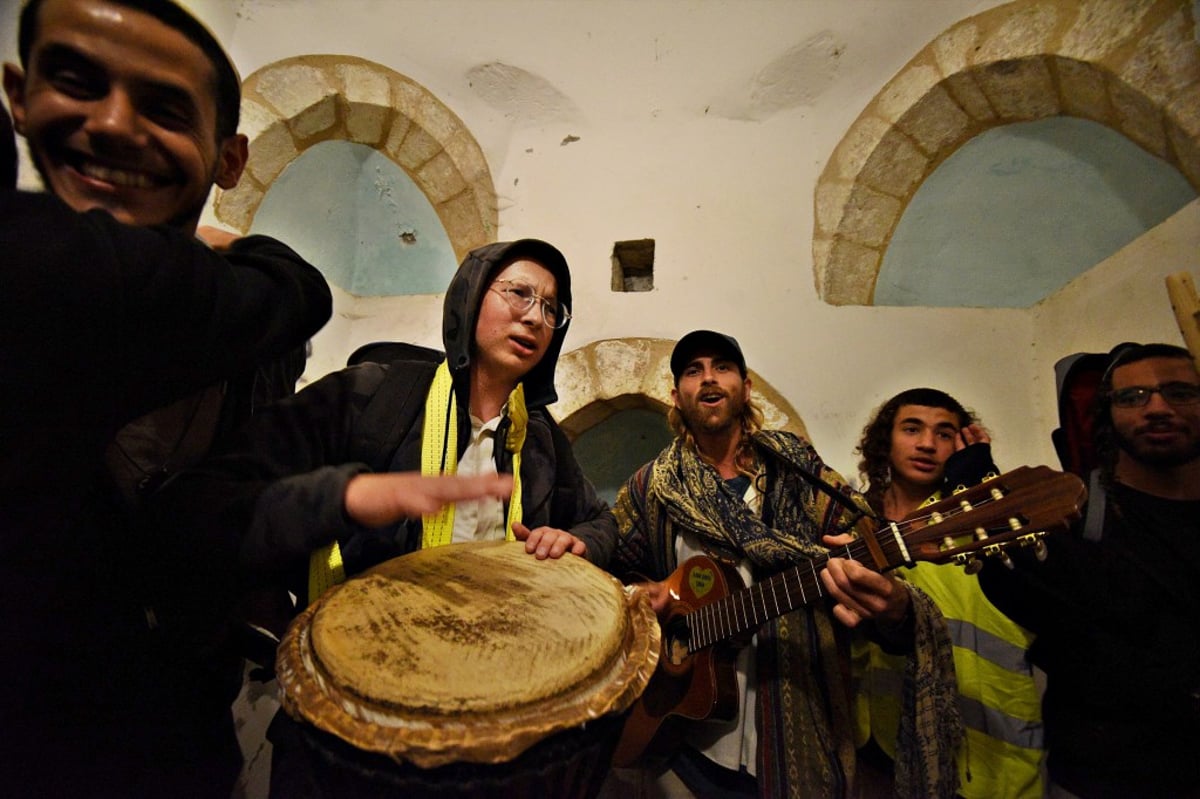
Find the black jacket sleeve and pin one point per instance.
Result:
(149, 314)
(276, 491)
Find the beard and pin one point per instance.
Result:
(702, 419)
(1158, 456)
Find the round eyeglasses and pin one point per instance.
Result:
(521, 297)
(1174, 393)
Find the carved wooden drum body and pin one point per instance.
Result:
(468, 670)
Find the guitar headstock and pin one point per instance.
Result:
(1017, 508)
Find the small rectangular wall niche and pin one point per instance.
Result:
(633, 265)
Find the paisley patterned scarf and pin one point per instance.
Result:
(805, 731)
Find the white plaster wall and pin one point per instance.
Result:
(704, 125)
(1124, 298)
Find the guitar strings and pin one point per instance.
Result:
(719, 620)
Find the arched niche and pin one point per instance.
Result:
(1132, 66)
(604, 377)
(290, 105)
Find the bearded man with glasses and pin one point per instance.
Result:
(1116, 604)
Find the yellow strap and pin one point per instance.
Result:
(439, 452)
(518, 417)
(439, 455)
(325, 570)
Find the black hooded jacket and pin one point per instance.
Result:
(277, 496)
(101, 323)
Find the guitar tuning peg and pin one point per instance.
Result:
(973, 566)
(1039, 549)
(1005, 559)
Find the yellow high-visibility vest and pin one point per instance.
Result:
(998, 695)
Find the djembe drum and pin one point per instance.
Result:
(468, 670)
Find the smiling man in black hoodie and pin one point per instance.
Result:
(127, 347)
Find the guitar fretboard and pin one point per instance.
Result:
(795, 587)
(747, 610)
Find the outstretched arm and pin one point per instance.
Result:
(374, 500)
(151, 313)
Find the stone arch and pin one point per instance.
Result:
(604, 377)
(290, 105)
(1133, 66)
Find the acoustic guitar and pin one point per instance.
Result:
(709, 605)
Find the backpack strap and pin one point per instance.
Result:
(396, 404)
(1093, 525)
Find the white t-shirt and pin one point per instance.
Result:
(731, 744)
(482, 520)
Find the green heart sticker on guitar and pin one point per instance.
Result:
(701, 581)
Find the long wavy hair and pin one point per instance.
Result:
(751, 422)
(875, 446)
(1103, 437)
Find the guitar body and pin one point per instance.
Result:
(689, 686)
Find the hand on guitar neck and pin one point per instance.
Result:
(861, 593)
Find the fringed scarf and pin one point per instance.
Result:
(805, 731)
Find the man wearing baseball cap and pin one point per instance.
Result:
(757, 501)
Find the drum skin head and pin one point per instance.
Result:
(467, 653)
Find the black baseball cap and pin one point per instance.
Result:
(697, 340)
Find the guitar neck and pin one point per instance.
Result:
(1015, 508)
(746, 610)
(792, 588)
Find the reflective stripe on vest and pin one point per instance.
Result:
(998, 696)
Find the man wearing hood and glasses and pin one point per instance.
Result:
(311, 494)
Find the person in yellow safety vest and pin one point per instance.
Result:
(920, 445)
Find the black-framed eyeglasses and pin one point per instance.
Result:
(1178, 393)
(521, 297)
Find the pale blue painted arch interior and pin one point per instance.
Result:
(1020, 210)
(355, 214)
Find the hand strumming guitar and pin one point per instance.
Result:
(660, 596)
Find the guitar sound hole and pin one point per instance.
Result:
(675, 642)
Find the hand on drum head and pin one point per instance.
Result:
(548, 542)
(377, 499)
